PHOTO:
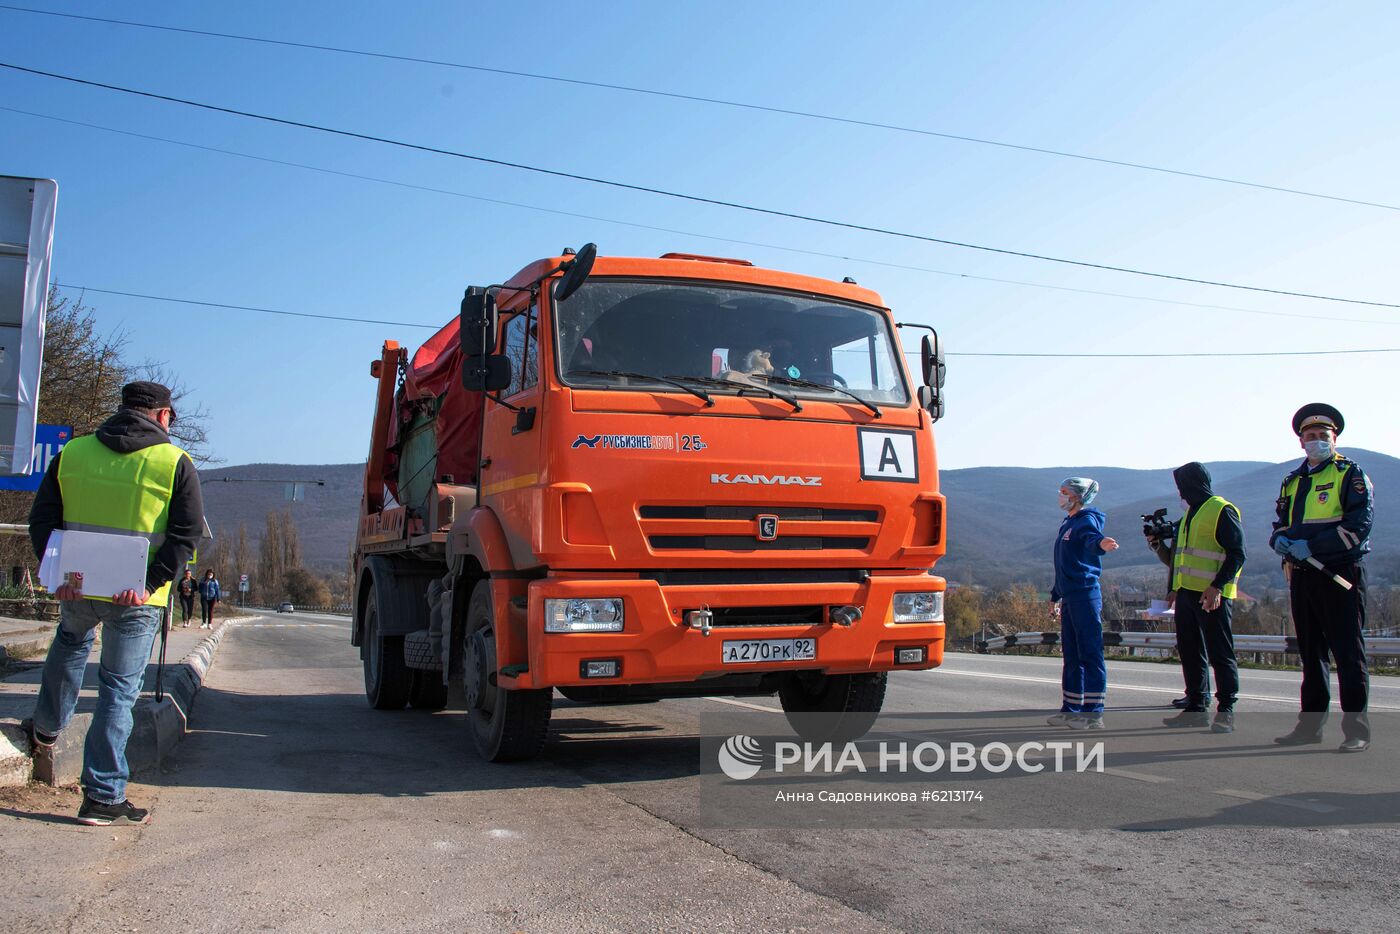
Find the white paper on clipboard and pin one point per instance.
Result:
(110, 564)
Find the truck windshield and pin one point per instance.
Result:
(730, 338)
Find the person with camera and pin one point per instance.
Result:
(1079, 549)
(1322, 531)
(1205, 557)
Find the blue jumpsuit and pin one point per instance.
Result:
(1078, 564)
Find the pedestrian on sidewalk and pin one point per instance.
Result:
(187, 588)
(125, 479)
(1206, 558)
(1078, 602)
(208, 598)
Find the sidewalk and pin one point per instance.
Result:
(158, 724)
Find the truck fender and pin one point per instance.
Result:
(401, 591)
(478, 536)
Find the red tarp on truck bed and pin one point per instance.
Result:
(435, 370)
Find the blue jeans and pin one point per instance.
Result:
(127, 635)
(1085, 679)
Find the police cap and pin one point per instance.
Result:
(1318, 413)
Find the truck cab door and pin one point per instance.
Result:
(511, 432)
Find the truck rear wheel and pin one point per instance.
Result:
(832, 708)
(387, 678)
(505, 725)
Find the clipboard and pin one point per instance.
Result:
(109, 564)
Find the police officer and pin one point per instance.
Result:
(125, 479)
(1324, 514)
(1205, 562)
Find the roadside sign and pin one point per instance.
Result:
(27, 208)
(48, 441)
(243, 583)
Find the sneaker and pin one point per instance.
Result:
(41, 751)
(1224, 722)
(1084, 722)
(36, 739)
(1181, 703)
(1059, 719)
(96, 814)
(1188, 718)
(1354, 745)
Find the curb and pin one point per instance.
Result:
(156, 730)
(26, 649)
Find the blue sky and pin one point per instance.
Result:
(1294, 95)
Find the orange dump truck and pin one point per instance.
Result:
(628, 479)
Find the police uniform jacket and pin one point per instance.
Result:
(1334, 543)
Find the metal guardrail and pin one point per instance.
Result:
(1244, 642)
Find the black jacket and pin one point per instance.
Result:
(1193, 483)
(126, 432)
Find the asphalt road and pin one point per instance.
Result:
(292, 806)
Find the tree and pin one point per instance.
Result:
(242, 554)
(279, 552)
(962, 612)
(304, 588)
(1018, 608)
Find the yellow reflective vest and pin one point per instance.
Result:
(124, 494)
(1199, 556)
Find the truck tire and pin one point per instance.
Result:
(832, 708)
(505, 725)
(426, 690)
(387, 679)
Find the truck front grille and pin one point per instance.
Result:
(750, 543)
(747, 616)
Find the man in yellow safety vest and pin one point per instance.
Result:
(1205, 561)
(1324, 516)
(125, 479)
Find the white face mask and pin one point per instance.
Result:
(1319, 450)
(1066, 502)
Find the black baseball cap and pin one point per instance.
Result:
(144, 394)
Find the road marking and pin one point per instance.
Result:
(1138, 776)
(738, 703)
(1283, 800)
(1120, 687)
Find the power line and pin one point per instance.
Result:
(722, 102)
(408, 324)
(688, 233)
(698, 199)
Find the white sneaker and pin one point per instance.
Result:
(1084, 723)
(1059, 719)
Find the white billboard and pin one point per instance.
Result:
(27, 207)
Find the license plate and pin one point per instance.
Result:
(745, 651)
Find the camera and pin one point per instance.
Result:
(1156, 526)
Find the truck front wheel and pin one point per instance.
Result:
(832, 708)
(387, 678)
(505, 725)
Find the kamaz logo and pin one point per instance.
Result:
(759, 479)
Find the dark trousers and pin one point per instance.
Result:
(1329, 621)
(186, 607)
(1202, 636)
(206, 611)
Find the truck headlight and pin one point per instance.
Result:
(595, 614)
(918, 607)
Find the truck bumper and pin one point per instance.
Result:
(657, 646)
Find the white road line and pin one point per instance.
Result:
(1278, 799)
(1121, 687)
(738, 703)
(1138, 776)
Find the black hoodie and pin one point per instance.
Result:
(125, 432)
(1193, 483)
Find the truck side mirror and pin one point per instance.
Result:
(486, 372)
(482, 370)
(477, 324)
(578, 271)
(932, 400)
(935, 367)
